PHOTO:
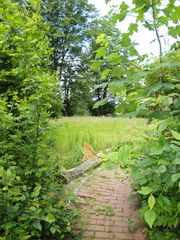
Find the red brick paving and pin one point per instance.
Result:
(107, 212)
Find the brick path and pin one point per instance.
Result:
(107, 212)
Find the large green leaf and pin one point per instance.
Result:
(123, 155)
(100, 103)
(157, 86)
(95, 66)
(156, 150)
(101, 52)
(49, 218)
(175, 177)
(160, 115)
(145, 190)
(150, 217)
(117, 72)
(176, 135)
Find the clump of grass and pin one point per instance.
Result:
(70, 133)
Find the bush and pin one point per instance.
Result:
(30, 195)
(156, 173)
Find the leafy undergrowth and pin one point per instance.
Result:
(69, 134)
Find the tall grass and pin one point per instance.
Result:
(70, 133)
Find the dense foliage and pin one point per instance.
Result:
(151, 90)
(30, 195)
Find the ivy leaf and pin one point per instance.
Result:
(151, 202)
(176, 135)
(150, 217)
(100, 103)
(145, 190)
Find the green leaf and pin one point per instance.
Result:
(161, 169)
(175, 15)
(40, 162)
(156, 150)
(133, 27)
(151, 202)
(145, 190)
(37, 225)
(101, 38)
(95, 66)
(105, 73)
(150, 217)
(102, 85)
(117, 72)
(160, 115)
(163, 162)
(176, 135)
(35, 193)
(123, 154)
(174, 31)
(113, 157)
(175, 177)
(50, 218)
(164, 201)
(53, 230)
(26, 237)
(118, 17)
(113, 56)
(1, 171)
(109, 166)
(100, 103)
(101, 52)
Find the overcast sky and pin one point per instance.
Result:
(143, 37)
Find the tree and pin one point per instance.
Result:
(69, 21)
(29, 190)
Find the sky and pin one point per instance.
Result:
(143, 37)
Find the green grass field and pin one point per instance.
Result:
(70, 133)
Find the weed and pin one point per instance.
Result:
(106, 210)
(132, 226)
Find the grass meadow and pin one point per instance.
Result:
(70, 133)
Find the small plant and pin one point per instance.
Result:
(132, 226)
(106, 209)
